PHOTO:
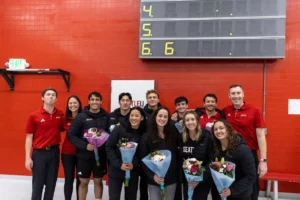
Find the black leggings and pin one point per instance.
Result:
(69, 165)
(255, 193)
(116, 184)
(200, 192)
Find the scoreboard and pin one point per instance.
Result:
(212, 29)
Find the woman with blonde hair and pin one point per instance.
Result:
(196, 143)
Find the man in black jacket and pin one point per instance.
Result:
(120, 116)
(181, 104)
(152, 97)
(93, 116)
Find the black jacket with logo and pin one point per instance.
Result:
(201, 150)
(245, 173)
(117, 118)
(84, 121)
(122, 134)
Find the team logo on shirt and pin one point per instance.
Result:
(69, 124)
(229, 115)
(244, 115)
(89, 119)
(42, 120)
(188, 149)
(58, 117)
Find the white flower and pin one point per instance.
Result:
(221, 170)
(158, 158)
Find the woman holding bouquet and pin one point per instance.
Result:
(68, 155)
(196, 143)
(231, 146)
(161, 135)
(116, 170)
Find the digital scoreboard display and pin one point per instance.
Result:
(212, 29)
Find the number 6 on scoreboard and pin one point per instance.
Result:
(146, 51)
(168, 49)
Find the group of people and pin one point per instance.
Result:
(235, 133)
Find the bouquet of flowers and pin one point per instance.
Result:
(111, 128)
(127, 150)
(96, 137)
(193, 172)
(223, 174)
(209, 126)
(159, 162)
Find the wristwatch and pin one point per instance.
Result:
(263, 160)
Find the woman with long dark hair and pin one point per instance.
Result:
(231, 146)
(161, 135)
(133, 132)
(68, 156)
(196, 143)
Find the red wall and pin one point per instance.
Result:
(97, 41)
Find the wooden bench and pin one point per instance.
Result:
(275, 178)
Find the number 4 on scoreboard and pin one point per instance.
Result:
(169, 50)
(148, 10)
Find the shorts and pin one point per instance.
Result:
(86, 167)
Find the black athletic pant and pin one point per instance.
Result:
(44, 172)
(69, 164)
(178, 192)
(200, 192)
(255, 193)
(116, 184)
(246, 198)
(143, 185)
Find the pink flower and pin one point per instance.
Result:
(229, 167)
(194, 169)
(216, 163)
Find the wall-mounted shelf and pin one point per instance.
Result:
(9, 75)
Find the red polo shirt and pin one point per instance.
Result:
(45, 127)
(208, 121)
(245, 121)
(67, 147)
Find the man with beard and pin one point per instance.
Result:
(43, 130)
(93, 116)
(209, 113)
(247, 120)
(120, 116)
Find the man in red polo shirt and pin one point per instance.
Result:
(247, 120)
(43, 136)
(210, 113)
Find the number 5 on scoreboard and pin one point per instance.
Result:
(146, 29)
(149, 10)
(169, 50)
(146, 51)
